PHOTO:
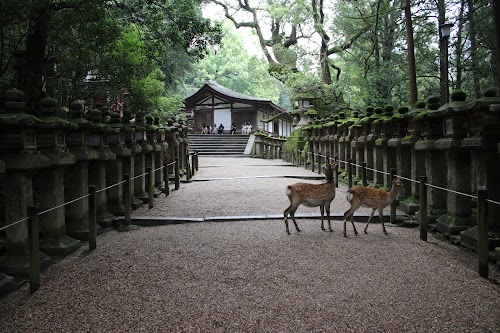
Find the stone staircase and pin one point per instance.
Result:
(218, 145)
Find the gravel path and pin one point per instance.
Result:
(249, 276)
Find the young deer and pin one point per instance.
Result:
(311, 195)
(371, 197)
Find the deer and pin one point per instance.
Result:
(312, 195)
(376, 199)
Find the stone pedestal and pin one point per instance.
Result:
(403, 163)
(97, 177)
(53, 238)
(77, 213)
(436, 175)
(19, 190)
(114, 175)
(459, 208)
(412, 204)
(159, 156)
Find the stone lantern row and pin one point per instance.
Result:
(455, 145)
(268, 145)
(48, 161)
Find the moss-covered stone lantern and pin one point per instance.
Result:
(18, 150)
(481, 142)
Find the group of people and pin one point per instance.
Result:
(246, 128)
(207, 129)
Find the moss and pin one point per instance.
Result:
(403, 109)
(420, 104)
(407, 139)
(458, 95)
(421, 115)
(490, 92)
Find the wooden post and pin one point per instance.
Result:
(196, 159)
(319, 162)
(176, 170)
(364, 180)
(312, 161)
(482, 232)
(34, 248)
(127, 200)
(193, 168)
(150, 185)
(188, 167)
(92, 218)
(349, 173)
(165, 177)
(423, 208)
(337, 172)
(394, 204)
(298, 157)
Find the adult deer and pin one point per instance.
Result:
(374, 198)
(312, 195)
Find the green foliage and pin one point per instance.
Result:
(234, 68)
(294, 143)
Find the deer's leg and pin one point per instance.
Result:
(329, 218)
(285, 213)
(380, 211)
(353, 226)
(322, 211)
(369, 219)
(346, 216)
(291, 210)
(292, 215)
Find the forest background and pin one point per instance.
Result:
(345, 55)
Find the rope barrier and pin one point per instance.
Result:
(448, 190)
(64, 204)
(110, 186)
(493, 202)
(12, 224)
(405, 178)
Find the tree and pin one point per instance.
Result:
(233, 67)
(90, 28)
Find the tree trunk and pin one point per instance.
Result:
(473, 49)
(458, 50)
(412, 72)
(36, 43)
(496, 18)
(443, 72)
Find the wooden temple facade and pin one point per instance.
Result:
(215, 104)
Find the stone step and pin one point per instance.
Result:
(218, 144)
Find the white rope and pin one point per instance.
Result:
(12, 224)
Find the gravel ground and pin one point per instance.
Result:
(240, 187)
(249, 276)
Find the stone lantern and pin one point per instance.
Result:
(50, 181)
(454, 126)
(170, 134)
(151, 159)
(140, 159)
(432, 129)
(386, 126)
(401, 147)
(417, 157)
(160, 148)
(97, 168)
(114, 168)
(21, 158)
(481, 142)
(129, 163)
(302, 108)
(363, 141)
